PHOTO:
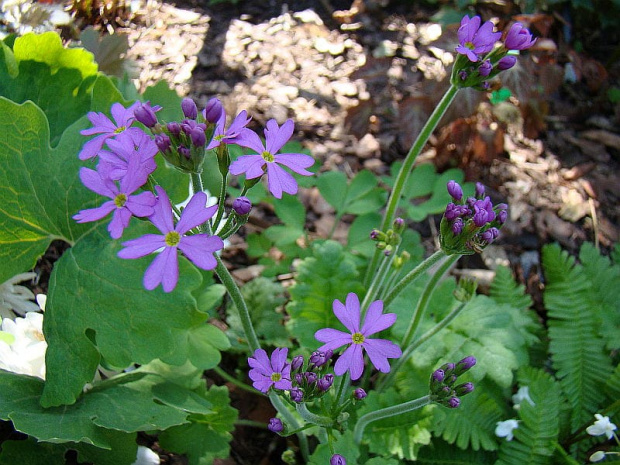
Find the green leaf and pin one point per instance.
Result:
(37, 204)
(31, 452)
(344, 445)
(207, 437)
(358, 197)
(398, 436)
(99, 308)
(291, 211)
(359, 234)
(537, 435)
(441, 453)
(329, 274)
(577, 351)
(333, 187)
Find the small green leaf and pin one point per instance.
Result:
(291, 211)
(333, 187)
(343, 444)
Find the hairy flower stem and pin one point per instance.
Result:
(413, 275)
(377, 282)
(387, 381)
(387, 412)
(291, 421)
(313, 417)
(220, 203)
(407, 166)
(231, 379)
(426, 297)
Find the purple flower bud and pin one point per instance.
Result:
(463, 389)
(310, 377)
(462, 75)
(451, 211)
(374, 234)
(299, 378)
(145, 113)
(297, 395)
(455, 190)
(463, 365)
(438, 375)
(454, 402)
(457, 226)
(297, 361)
(485, 68)
(507, 62)
(398, 225)
(485, 85)
(450, 380)
(447, 368)
(479, 190)
(213, 111)
(317, 358)
(518, 38)
(189, 108)
(197, 135)
(359, 394)
(242, 206)
(163, 142)
(337, 459)
(480, 218)
(325, 382)
(174, 128)
(184, 151)
(490, 235)
(275, 425)
(502, 216)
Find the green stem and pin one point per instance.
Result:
(387, 381)
(387, 412)
(220, 203)
(405, 169)
(426, 297)
(413, 275)
(231, 379)
(292, 421)
(252, 423)
(313, 417)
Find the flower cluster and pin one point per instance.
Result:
(390, 239)
(469, 225)
(480, 57)
(442, 383)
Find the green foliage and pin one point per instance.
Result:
(327, 275)
(31, 452)
(399, 436)
(576, 346)
(343, 445)
(208, 435)
(536, 437)
(441, 453)
(425, 191)
(264, 299)
(358, 196)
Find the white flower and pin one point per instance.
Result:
(602, 425)
(22, 347)
(16, 298)
(504, 429)
(597, 456)
(522, 394)
(146, 457)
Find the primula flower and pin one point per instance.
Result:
(253, 165)
(102, 125)
(518, 38)
(235, 132)
(378, 350)
(198, 248)
(504, 429)
(475, 40)
(601, 426)
(123, 149)
(266, 373)
(123, 203)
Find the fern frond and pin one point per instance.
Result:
(577, 351)
(442, 453)
(605, 292)
(612, 386)
(505, 290)
(535, 438)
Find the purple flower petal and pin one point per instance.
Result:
(120, 220)
(296, 162)
(142, 204)
(251, 165)
(280, 181)
(200, 248)
(250, 140)
(379, 350)
(333, 338)
(375, 321)
(195, 213)
(162, 212)
(93, 181)
(276, 137)
(351, 360)
(92, 147)
(284, 384)
(261, 362)
(94, 214)
(163, 269)
(278, 359)
(101, 124)
(263, 384)
(141, 246)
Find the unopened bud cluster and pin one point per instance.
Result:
(389, 240)
(443, 387)
(469, 225)
(313, 381)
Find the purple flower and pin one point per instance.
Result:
(275, 425)
(463, 365)
(378, 350)
(242, 206)
(454, 402)
(266, 373)
(457, 226)
(455, 190)
(297, 362)
(198, 248)
(163, 142)
(518, 38)
(310, 377)
(359, 394)
(253, 165)
(475, 40)
(297, 395)
(145, 113)
(102, 125)
(506, 62)
(213, 111)
(123, 204)
(480, 190)
(485, 68)
(174, 127)
(337, 459)
(325, 382)
(235, 133)
(483, 212)
(463, 389)
(124, 148)
(189, 108)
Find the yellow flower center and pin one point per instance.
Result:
(172, 238)
(120, 200)
(119, 129)
(470, 45)
(358, 338)
(275, 377)
(267, 156)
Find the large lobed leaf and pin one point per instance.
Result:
(329, 274)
